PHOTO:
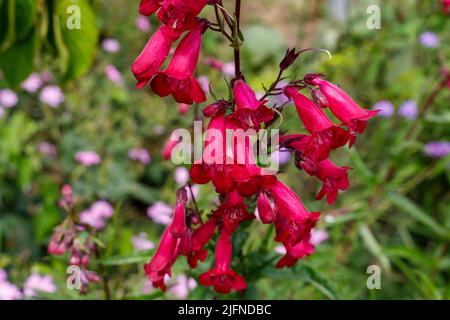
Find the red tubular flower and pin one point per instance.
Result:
(294, 253)
(168, 148)
(343, 106)
(178, 79)
(199, 238)
(162, 261)
(334, 178)
(293, 222)
(212, 166)
(232, 212)
(267, 209)
(180, 14)
(178, 226)
(250, 112)
(325, 136)
(221, 276)
(153, 56)
(149, 7)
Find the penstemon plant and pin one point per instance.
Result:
(243, 184)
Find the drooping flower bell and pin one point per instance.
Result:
(153, 56)
(343, 106)
(162, 261)
(222, 277)
(294, 253)
(232, 212)
(178, 226)
(293, 222)
(334, 178)
(201, 236)
(250, 112)
(325, 136)
(178, 79)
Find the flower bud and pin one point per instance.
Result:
(216, 108)
(85, 260)
(319, 98)
(289, 59)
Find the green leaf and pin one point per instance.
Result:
(318, 280)
(76, 47)
(415, 212)
(374, 247)
(25, 17)
(17, 63)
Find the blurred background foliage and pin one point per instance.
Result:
(396, 213)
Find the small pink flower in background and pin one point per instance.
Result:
(36, 283)
(8, 98)
(429, 39)
(47, 149)
(52, 95)
(141, 242)
(408, 109)
(204, 82)
(2, 112)
(32, 83)
(113, 74)
(111, 45)
(181, 175)
(160, 213)
(8, 291)
(88, 158)
(143, 24)
(97, 215)
(318, 236)
(139, 154)
(228, 69)
(3, 275)
(437, 149)
(386, 108)
(183, 285)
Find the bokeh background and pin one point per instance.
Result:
(69, 114)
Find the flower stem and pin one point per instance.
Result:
(237, 53)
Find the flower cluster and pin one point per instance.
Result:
(72, 237)
(238, 183)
